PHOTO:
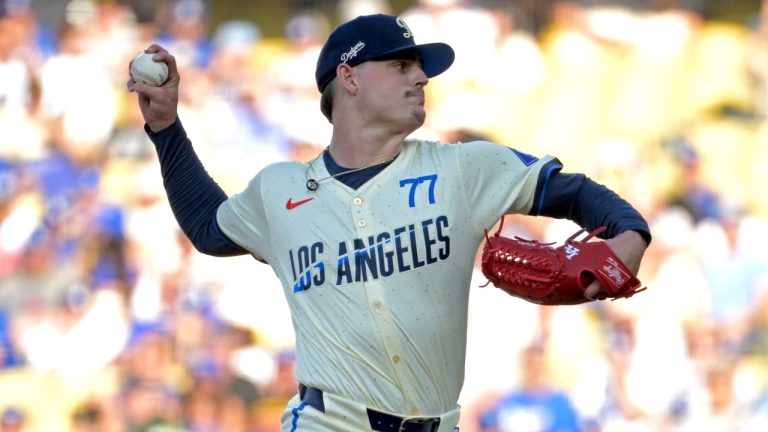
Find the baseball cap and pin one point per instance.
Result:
(369, 37)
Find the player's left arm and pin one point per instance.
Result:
(591, 205)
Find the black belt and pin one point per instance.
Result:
(380, 422)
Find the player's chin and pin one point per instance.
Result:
(419, 116)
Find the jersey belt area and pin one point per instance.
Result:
(380, 422)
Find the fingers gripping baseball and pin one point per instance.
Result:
(158, 104)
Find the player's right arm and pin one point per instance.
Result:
(193, 195)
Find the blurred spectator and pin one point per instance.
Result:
(35, 28)
(15, 79)
(737, 286)
(41, 275)
(234, 43)
(252, 138)
(102, 242)
(12, 420)
(534, 406)
(119, 38)
(719, 408)
(20, 62)
(693, 195)
(295, 100)
(186, 33)
(78, 96)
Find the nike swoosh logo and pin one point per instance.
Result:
(290, 205)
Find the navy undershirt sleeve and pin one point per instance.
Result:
(589, 204)
(194, 196)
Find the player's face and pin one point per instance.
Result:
(393, 92)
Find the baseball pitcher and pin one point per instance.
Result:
(374, 239)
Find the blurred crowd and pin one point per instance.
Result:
(111, 321)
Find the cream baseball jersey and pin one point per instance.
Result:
(378, 278)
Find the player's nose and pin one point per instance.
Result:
(420, 78)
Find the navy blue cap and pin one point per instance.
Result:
(370, 37)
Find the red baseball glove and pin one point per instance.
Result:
(547, 275)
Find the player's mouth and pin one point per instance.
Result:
(416, 94)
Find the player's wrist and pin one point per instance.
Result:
(636, 236)
(160, 125)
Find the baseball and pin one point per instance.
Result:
(147, 71)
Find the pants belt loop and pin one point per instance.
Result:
(312, 397)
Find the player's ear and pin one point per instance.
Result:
(346, 75)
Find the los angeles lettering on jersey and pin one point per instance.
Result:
(376, 256)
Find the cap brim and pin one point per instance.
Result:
(436, 57)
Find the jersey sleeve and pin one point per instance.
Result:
(500, 180)
(242, 217)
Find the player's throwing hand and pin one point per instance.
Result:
(158, 104)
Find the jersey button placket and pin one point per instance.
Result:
(358, 211)
(380, 313)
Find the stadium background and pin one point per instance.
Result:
(109, 321)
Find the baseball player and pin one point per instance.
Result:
(374, 239)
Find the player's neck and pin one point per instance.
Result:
(354, 150)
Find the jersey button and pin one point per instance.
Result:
(396, 359)
(361, 223)
(357, 201)
(376, 304)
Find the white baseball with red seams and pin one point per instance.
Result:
(145, 70)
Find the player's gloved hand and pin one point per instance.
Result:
(629, 247)
(158, 105)
(543, 274)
